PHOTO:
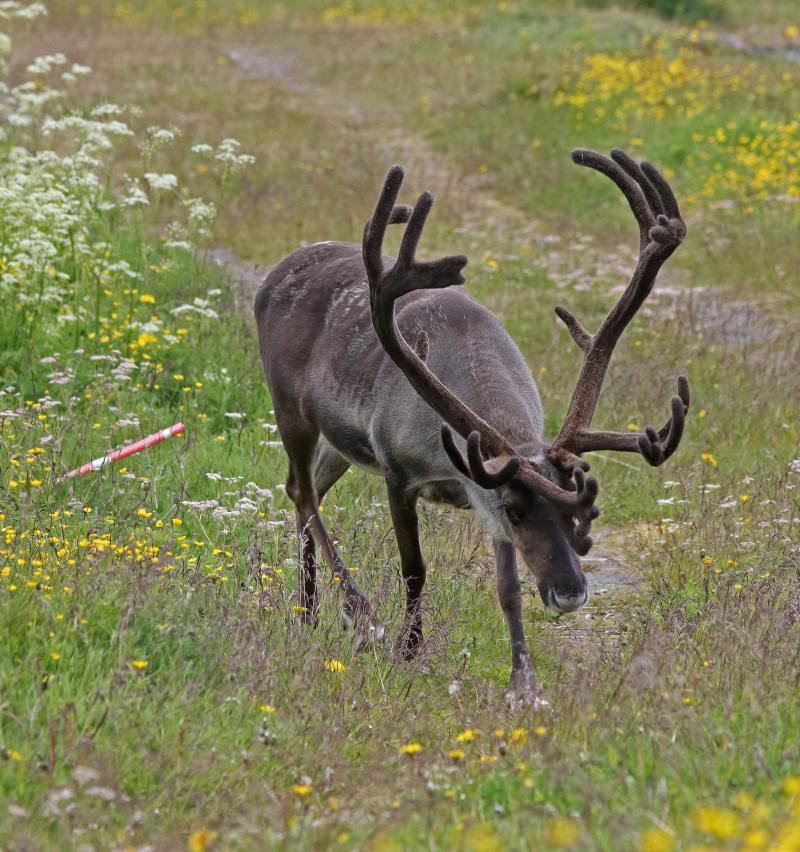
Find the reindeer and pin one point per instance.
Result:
(355, 381)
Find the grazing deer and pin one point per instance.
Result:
(377, 383)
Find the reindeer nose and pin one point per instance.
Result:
(564, 600)
(571, 602)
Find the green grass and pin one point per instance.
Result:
(674, 708)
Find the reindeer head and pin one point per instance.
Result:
(548, 502)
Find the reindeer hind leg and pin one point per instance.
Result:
(303, 451)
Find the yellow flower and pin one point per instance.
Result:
(147, 299)
(791, 32)
(541, 730)
(144, 339)
(707, 457)
(267, 708)
(756, 839)
(176, 522)
(791, 785)
(411, 748)
(140, 664)
(335, 666)
(655, 840)
(479, 838)
(467, 735)
(456, 754)
(721, 823)
(562, 832)
(201, 839)
(302, 789)
(56, 656)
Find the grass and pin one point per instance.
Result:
(156, 686)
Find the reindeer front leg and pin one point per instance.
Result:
(403, 506)
(523, 687)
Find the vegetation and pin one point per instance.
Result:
(157, 690)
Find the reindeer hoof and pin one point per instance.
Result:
(411, 647)
(524, 692)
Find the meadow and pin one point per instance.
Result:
(158, 690)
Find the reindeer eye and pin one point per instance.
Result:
(511, 513)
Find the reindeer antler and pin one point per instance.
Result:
(661, 231)
(408, 274)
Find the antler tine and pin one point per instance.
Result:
(400, 213)
(376, 225)
(629, 165)
(475, 469)
(661, 231)
(482, 476)
(630, 189)
(453, 452)
(664, 190)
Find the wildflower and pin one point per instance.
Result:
(140, 664)
(707, 457)
(335, 665)
(14, 755)
(176, 522)
(267, 708)
(411, 749)
(161, 182)
(655, 840)
(562, 832)
(201, 839)
(791, 785)
(467, 736)
(302, 789)
(723, 824)
(541, 730)
(456, 754)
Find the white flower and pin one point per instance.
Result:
(43, 64)
(161, 181)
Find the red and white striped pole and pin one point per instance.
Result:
(124, 452)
